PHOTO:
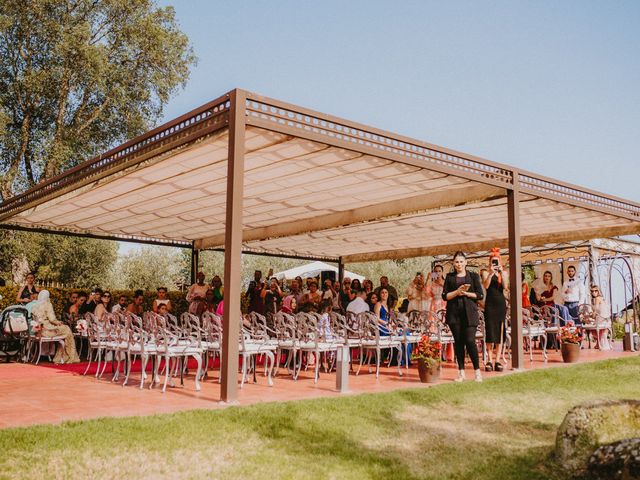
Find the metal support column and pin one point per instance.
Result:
(233, 247)
(195, 259)
(340, 270)
(515, 269)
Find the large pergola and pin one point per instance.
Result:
(249, 173)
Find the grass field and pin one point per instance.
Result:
(503, 428)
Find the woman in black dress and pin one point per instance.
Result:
(462, 289)
(495, 310)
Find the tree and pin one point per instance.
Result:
(149, 268)
(77, 77)
(73, 261)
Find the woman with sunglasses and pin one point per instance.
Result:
(104, 306)
(602, 317)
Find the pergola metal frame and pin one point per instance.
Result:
(239, 109)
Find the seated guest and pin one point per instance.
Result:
(547, 297)
(162, 309)
(76, 308)
(43, 313)
(28, 291)
(311, 300)
(359, 303)
(73, 298)
(104, 306)
(381, 309)
(162, 300)
(289, 304)
(121, 306)
(136, 307)
(393, 293)
(93, 301)
(345, 293)
(372, 299)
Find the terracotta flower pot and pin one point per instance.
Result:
(570, 352)
(428, 374)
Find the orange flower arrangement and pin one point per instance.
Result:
(428, 351)
(570, 334)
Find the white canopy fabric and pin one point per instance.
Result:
(313, 269)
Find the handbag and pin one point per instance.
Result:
(16, 323)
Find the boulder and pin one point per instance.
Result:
(591, 425)
(616, 461)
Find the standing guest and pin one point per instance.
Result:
(602, 316)
(381, 309)
(196, 294)
(162, 300)
(121, 306)
(418, 294)
(462, 290)
(359, 303)
(436, 286)
(372, 299)
(94, 299)
(526, 302)
(272, 296)
(495, 309)
(345, 291)
(75, 309)
(327, 290)
(573, 294)
(336, 296)
(218, 290)
(296, 291)
(28, 291)
(104, 306)
(355, 285)
(300, 283)
(393, 293)
(220, 308)
(136, 307)
(547, 297)
(311, 300)
(73, 298)
(43, 313)
(254, 292)
(367, 285)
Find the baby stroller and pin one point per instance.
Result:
(14, 332)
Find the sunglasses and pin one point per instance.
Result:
(108, 296)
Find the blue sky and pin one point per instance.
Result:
(547, 86)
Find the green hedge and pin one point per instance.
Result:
(59, 297)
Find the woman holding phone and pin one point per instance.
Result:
(462, 290)
(495, 309)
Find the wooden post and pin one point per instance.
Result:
(515, 268)
(340, 271)
(195, 259)
(233, 247)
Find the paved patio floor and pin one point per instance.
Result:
(32, 394)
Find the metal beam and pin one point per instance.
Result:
(195, 263)
(114, 238)
(488, 244)
(233, 247)
(515, 269)
(419, 203)
(282, 255)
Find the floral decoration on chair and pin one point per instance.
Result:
(428, 351)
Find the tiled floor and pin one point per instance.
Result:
(41, 394)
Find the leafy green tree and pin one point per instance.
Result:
(148, 268)
(73, 261)
(77, 77)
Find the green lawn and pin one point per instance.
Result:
(502, 428)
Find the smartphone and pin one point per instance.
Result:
(434, 275)
(495, 262)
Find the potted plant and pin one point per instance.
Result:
(570, 340)
(428, 354)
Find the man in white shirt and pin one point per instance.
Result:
(121, 306)
(358, 304)
(573, 293)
